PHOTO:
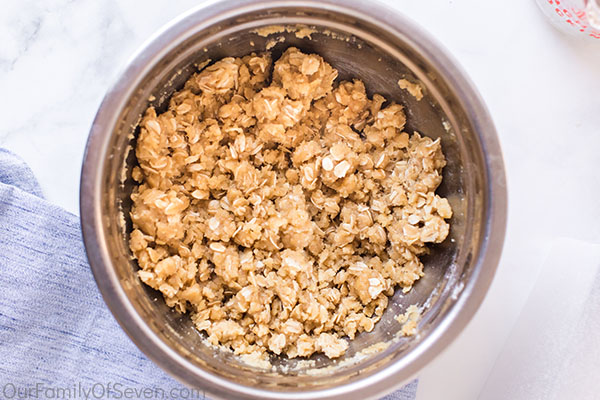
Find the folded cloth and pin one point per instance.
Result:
(57, 337)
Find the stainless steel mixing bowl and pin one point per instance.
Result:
(360, 39)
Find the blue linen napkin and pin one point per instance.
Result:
(57, 337)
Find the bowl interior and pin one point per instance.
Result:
(357, 49)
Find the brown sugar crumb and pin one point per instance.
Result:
(282, 211)
(414, 89)
(409, 320)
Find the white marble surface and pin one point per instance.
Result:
(57, 58)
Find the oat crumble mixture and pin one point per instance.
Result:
(280, 209)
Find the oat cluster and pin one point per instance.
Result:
(282, 210)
